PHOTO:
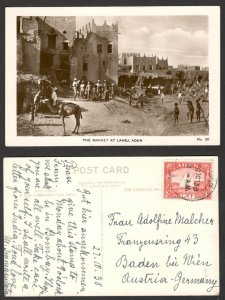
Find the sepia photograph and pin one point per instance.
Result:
(129, 76)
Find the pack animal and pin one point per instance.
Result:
(63, 109)
(68, 109)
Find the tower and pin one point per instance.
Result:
(96, 53)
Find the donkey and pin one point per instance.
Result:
(68, 109)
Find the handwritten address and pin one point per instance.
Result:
(154, 276)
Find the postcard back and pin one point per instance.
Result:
(111, 226)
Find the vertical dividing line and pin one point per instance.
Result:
(102, 232)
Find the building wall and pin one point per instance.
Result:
(45, 31)
(186, 67)
(106, 63)
(195, 74)
(64, 31)
(78, 58)
(66, 26)
(33, 34)
(102, 66)
(41, 58)
(28, 24)
(162, 64)
(144, 63)
(28, 45)
(19, 56)
(127, 59)
(31, 57)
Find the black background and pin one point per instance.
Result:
(60, 150)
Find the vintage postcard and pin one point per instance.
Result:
(111, 226)
(112, 76)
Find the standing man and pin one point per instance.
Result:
(32, 114)
(75, 85)
(179, 96)
(162, 97)
(105, 89)
(159, 91)
(88, 90)
(37, 99)
(113, 91)
(130, 97)
(190, 110)
(105, 85)
(106, 94)
(176, 113)
(45, 86)
(141, 100)
(98, 84)
(198, 110)
(94, 93)
(98, 89)
(172, 88)
(82, 89)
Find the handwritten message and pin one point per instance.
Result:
(49, 246)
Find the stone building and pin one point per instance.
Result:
(162, 64)
(188, 68)
(28, 45)
(95, 53)
(43, 45)
(52, 46)
(135, 63)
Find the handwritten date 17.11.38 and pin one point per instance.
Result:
(97, 255)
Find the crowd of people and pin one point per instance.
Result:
(190, 112)
(188, 93)
(98, 91)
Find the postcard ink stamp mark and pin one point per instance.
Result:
(190, 181)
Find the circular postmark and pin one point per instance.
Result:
(191, 181)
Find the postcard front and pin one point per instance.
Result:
(112, 76)
(111, 226)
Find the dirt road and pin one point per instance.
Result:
(116, 117)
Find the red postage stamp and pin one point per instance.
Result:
(187, 180)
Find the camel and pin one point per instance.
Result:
(63, 109)
(68, 109)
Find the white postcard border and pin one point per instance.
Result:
(11, 138)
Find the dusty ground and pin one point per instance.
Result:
(116, 117)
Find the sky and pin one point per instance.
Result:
(183, 39)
